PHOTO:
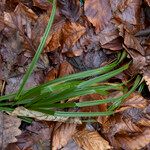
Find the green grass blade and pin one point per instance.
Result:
(103, 77)
(118, 103)
(71, 93)
(74, 114)
(82, 114)
(7, 97)
(39, 50)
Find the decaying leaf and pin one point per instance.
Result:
(91, 140)
(135, 100)
(65, 69)
(133, 142)
(71, 145)
(21, 111)
(37, 135)
(9, 129)
(98, 13)
(71, 32)
(133, 42)
(43, 4)
(62, 135)
(70, 9)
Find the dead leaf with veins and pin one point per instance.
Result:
(70, 9)
(91, 140)
(62, 134)
(9, 129)
(98, 13)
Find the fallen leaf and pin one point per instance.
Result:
(37, 135)
(71, 145)
(43, 4)
(91, 140)
(64, 130)
(98, 13)
(138, 64)
(120, 125)
(51, 75)
(13, 83)
(133, 42)
(21, 111)
(54, 40)
(9, 129)
(71, 32)
(134, 100)
(114, 45)
(70, 9)
(128, 13)
(65, 69)
(134, 142)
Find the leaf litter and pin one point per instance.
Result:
(85, 35)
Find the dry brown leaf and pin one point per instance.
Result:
(9, 128)
(91, 140)
(62, 135)
(51, 75)
(134, 142)
(133, 42)
(65, 69)
(36, 136)
(71, 32)
(43, 4)
(134, 100)
(54, 39)
(138, 64)
(98, 13)
(21, 111)
(128, 13)
(119, 124)
(70, 9)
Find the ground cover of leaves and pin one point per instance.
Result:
(85, 34)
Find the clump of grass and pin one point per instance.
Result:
(47, 98)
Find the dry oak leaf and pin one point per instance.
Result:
(38, 134)
(134, 142)
(133, 42)
(128, 13)
(98, 13)
(91, 140)
(62, 135)
(43, 4)
(65, 69)
(134, 100)
(9, 128)
(71, 32)
(70, 9)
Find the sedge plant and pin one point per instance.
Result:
(52, 97)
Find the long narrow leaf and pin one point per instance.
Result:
(39, 50)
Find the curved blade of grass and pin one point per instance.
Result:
(103, 77)
(74, 114)
(81, 75)
(74, 77)
(39, 50)
(6, 109)
(71, 93)
(136, 84)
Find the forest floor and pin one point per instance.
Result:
(86, 34)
